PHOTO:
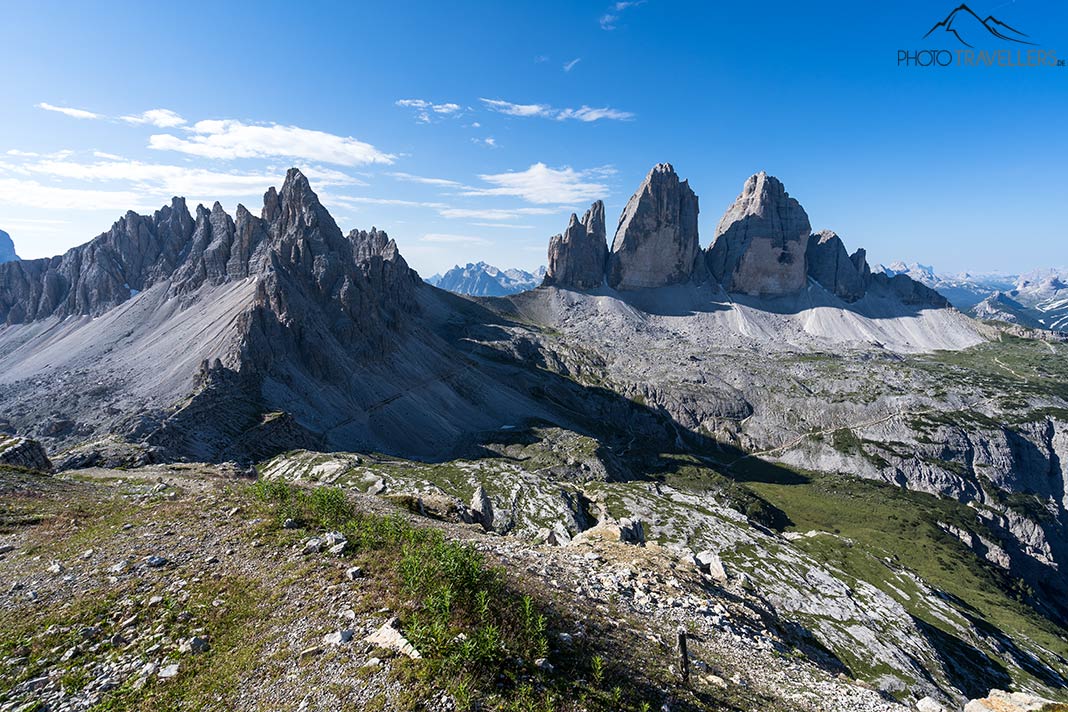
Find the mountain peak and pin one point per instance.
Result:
(760, 243)
(656, 242)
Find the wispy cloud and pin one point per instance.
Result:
(163, 118)
(229, 139)
(30, 193)
(447, 239)
(145, 185)
(510, 226)
(69, 111)
(494, 214)
(356, 200)
(542, 184)
(583, 113)
(568, 66)
(609, 20)
(425, 110)
(512, 109)
(488, 141)
(441, 182)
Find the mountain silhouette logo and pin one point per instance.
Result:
(967, 27)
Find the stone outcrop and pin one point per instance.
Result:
(759, 247)
(578, 257)
(1001, 701)
(831, 266)
(7, 248)
(656, 242)
(23, 452)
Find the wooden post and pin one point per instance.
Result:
(684, 658)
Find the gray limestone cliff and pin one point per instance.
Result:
(760, 244)
(656, 242)
(577, 258)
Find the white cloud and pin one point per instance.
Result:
(609, 19)
(425, 109)
(454, 239)
(228, 139)
(30, 193)
(488, 141)
(507, 107)
(494, 214)
(511, 226)
(441, 182)
(107, 156)
(584, 113)
(354, 200)
(568, 66)
(542, 184)
(163, 118)
(68, 111)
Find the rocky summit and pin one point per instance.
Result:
(761, 242)
(656, 242)
(256, 459)
(833, 267)
(578, 257)
(762, 248)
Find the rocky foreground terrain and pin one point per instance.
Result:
(847, 493)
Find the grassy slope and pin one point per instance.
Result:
(480, 628)
(877, 522)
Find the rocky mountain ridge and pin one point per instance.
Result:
(763, 247)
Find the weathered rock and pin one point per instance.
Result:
(930, 704)
(1001, 701)
(194, 645)
(338, 637)
(390, 637)
(656, 242)
(482, 508)
(711, 564)
(578, 257)
(760, 243)
(831, 266)
(23, 452)
(626, 531)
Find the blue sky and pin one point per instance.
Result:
(472, 130)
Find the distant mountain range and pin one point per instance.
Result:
(7, 248)
(484, 280)
(1037, 299)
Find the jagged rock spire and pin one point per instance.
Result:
(760, 244)
(577, 258)
(656, 242)
(831, 266)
